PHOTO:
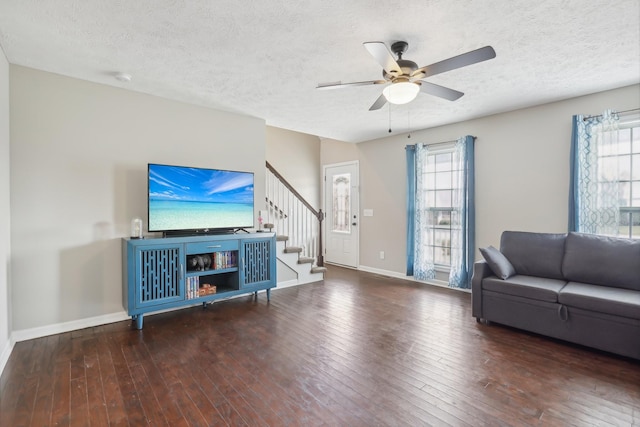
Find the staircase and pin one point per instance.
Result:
(298, 226)
(293, 267)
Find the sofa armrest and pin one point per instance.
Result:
(480, 270)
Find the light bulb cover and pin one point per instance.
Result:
(401, 92)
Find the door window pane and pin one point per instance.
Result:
(341, 203)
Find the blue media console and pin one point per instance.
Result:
(161, 273)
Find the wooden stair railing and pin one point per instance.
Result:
(293, 216)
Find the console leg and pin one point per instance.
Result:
(138, 320)
(268, 294)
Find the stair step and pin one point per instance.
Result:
(282, 238)
(318, 269)
(292, 249)
(305, 260)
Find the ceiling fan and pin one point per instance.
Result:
(405, 77)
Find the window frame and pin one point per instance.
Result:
(632, 151)
(432, 210)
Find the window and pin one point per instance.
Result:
(621, 164)
(440, 211)
(438, 191)
(341, 190)
(605, 174)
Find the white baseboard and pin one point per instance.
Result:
(287, 284)
(387, 273)
(59, 328)
(397, 275)
(6, 352)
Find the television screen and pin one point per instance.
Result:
(197, 199)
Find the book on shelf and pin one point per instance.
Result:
(193, 284)
(224, 259)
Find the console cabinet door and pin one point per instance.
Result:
(257, 263)
(160, 275)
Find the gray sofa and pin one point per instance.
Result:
(576, 287)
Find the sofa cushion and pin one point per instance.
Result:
(534, 254)
(601, 260)
(603, 299)
(538, 288)
(499, 263)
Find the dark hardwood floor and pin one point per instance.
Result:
(355, 350)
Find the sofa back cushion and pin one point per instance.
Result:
(601, 260)
(534, 254)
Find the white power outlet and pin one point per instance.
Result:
(381, 254)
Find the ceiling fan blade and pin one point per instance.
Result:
(440, 91)
(473, 57)
(338, 85)
(379, 103)
(381, 54)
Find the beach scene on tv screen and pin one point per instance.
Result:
(182, 198)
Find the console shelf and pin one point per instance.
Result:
(172, 272)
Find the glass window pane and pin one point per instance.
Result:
(443, 162)
(635, 194)
(442, 253)
(443, 198)
(635, 225)
(431, 198)
(624, 141)
(636, 140)
(635, 167)
(342, 203)
(624, 168)
(443, 180)
(444, 218)
(624, 191)
(431, 180)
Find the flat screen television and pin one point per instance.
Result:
(188, 200)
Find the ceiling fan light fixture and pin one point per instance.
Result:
(401, 92)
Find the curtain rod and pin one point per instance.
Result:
(633, 110)
(445, 142)
(439, 143)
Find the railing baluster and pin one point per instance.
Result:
(290, 213)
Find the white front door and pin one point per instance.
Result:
(341, 205)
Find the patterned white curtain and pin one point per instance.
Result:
(463, 214)
(594, 205)
(423, 265)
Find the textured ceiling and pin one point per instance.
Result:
(265, 58)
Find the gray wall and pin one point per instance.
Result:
(296, 156)
(79, 153)
(522, 174)
(5, 222)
